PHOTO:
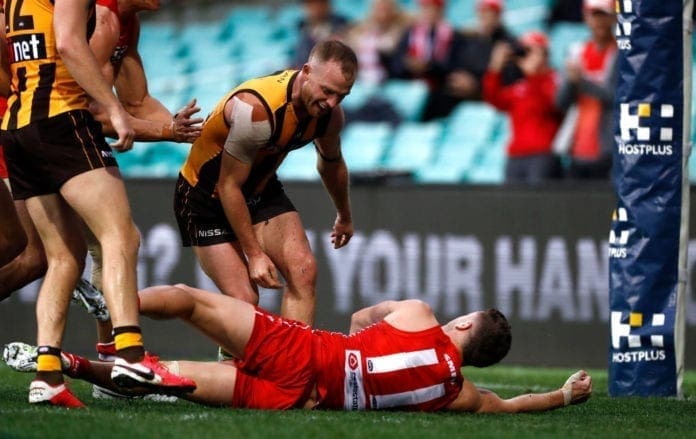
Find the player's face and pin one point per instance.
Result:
(325, 88)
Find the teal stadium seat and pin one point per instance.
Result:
(441, 173)
(166, 158)
(353, 10)
(153, 159)
(300, 165)
(489, 166)
(408, 97)
(461, 13)
(562, 38)
(363, 145)
(521, 16)
(473, 123)
(414, 145)
(359, 95)
(246, 18)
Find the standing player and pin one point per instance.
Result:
(114, 44)
(397, 356)
(229, 203)
(61, 165)
(12, 237)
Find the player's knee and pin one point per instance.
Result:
(302, 272)
(124, 240)
(132, 237)
(68, 263)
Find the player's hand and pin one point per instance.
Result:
(263, 272)
(120, 120)
(577, 388)
(184, 127)
(342, 232)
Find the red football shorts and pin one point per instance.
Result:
(277, 369)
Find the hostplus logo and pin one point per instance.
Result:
(638, 336)
(619, 238)
(624, 18)
(644, 129)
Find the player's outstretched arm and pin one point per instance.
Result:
(577, 389)
(334, 174)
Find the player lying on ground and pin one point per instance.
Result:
(396, 356)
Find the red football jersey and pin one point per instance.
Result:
(382, 367)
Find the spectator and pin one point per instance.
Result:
(429, 51)
(530, 103)
(319, 23)
(489, 31)
(375, 39)
(565, 11)
(588, 94)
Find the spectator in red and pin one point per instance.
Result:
(587, 94)
(529, 102)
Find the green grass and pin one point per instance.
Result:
(600, 417)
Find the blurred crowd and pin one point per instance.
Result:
(560, 120)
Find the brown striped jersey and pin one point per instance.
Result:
(42, 86)
(202, 167)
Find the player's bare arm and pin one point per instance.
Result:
(70, 26)
(577, 389)
(151, 119)
(104, 39)
(407, 315)
(250, 129)
(334, 174)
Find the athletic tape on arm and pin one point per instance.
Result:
(245, 136)
(567, 388)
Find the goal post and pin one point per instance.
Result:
(649, 231)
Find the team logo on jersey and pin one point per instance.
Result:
(354, 388)
(27, 47)
(644, 129)
(640, 337)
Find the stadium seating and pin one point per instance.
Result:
(414, 145)
(364, 144)
(300, 164)
(206, 59)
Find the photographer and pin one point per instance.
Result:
(529, 101)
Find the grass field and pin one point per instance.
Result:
(601, 416)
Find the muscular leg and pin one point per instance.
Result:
(30, 264)
(214, 380)
(59, 229)
(12, 237)
(284, 241)
(99, 197)
(103, 328)
(226, 320)
(225, 265)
